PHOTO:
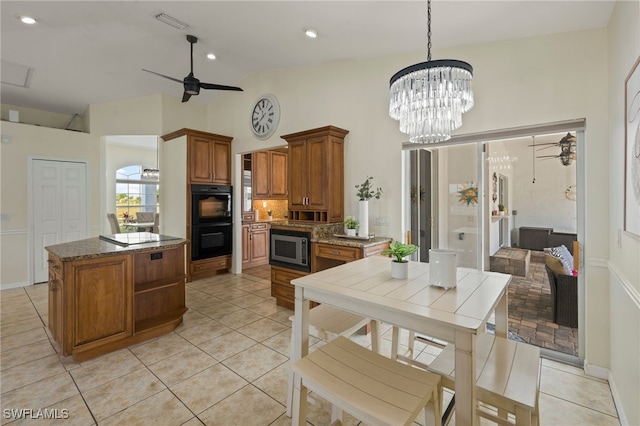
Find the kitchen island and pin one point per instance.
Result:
(106, 294)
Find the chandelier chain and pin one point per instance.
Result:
(428, 30)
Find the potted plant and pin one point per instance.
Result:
(365, 192)
(351, 224)
(399, 266)
(501, 209)
(270, 213)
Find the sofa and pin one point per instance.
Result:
(564, 298)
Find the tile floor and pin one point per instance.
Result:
(226, 365)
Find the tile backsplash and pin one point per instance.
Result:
(280, 208)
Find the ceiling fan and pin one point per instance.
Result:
(567, 149)
(191, 84)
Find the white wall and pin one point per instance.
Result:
(624, 260)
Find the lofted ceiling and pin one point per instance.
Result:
(84, 52)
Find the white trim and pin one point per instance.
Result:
(18, 231)
(596, 371)
(616, 400)
(633, 294)
(597, 262)
(18, 284)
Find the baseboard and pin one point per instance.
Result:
(596, 371)
(616, 398)
(7, 286)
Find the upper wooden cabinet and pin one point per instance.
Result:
(316, 174)
(269, 174)
(208, 156)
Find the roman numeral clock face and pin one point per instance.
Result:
(265, 116)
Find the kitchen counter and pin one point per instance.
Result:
(352, 242)
(97, 247)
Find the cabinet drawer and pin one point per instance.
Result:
(259, 226)
(284, 276)
(375, 250)
(347, 254)
(247, 217)
(158, 265)
(217, 263)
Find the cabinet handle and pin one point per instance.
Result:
(52, 285)
(213, 175)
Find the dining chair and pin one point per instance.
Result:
(113, 221)
(145, 217)
(156, 224)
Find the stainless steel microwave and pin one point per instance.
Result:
(290, 249)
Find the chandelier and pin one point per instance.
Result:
(429, 98)
(153, 174)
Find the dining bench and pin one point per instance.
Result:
(371, 387)
(508, 378)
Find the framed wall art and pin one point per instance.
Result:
(632, 151)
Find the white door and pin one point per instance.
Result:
(59, 191)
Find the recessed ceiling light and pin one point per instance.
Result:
(27, 19)
(170, 20)
(310, 33)
(211, 56)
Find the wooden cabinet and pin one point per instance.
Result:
(209, 159)
(316, 174)
(255, 245)
(323, 256)
(269, 174)
(102, 304)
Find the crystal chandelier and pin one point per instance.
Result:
(429, 98)
(153, 174)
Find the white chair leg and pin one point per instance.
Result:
(336, 415)
(394, 343)
(411, 342)
(375, 336)
(289, 392)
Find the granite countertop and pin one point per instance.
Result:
(96, 247)
(352, 242)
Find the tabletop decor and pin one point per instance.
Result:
(399, 266)
(351, 224)
(442, 268)
(469, 194)
(365, 192)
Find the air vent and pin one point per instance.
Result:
(16, 74)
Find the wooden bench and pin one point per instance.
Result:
(328, 323)
(372, 388)
(508, 378)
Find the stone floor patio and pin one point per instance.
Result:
(530, 314)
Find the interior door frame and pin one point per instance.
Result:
(30, 207)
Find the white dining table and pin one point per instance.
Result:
(365, 287)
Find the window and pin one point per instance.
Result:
(133, 195)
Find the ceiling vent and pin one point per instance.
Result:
(16, 74)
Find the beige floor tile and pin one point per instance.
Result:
(182, 365)
(248, 406)
(239, 318)
(266, 293)
(265, 308)
(255, 362)
(219, 311)
(208, 387)
(20, 326)
(558, 412)
(568, 368)
(159, 349)
(72, 411)
(262, 329)
(41, 393)
(30, 372)
(281, 342)
(274, 383)
(190, 319)
(20, 339)
(227, 345)
(283, 316)
(247, 300)
(204, 331)
(162, 408)
(196, 422)
(17, 314)
(116, 395)
(577, 389)
(101, 370)
(225, 293)
(255, 286)
(26, 353)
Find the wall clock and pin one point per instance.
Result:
(265, 116)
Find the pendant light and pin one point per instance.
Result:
(153, 174)
(429, 98)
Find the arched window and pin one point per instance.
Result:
(134, 195)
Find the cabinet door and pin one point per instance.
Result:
(246, 244)
(298, 175)
(317, 173)
(260, 174)
(260, 245)
(200, 159)
(55, 318)
(102, 297)
(221, 172)
(278, 178)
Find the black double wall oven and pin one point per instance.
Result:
(211, 221)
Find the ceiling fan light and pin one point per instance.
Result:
(27, 19)
(311, 33)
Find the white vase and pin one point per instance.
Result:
(351, 232)
(363, 218)
(399, 270)
(442, 268)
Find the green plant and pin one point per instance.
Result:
(351, 223)
(366, 192)
(269, 212)
(501, 207)
(399, 250)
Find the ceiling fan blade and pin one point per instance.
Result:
(548, 156)
(541, 144)
(544, 147)
(220, 87)
(162, 75)
(185, 97)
